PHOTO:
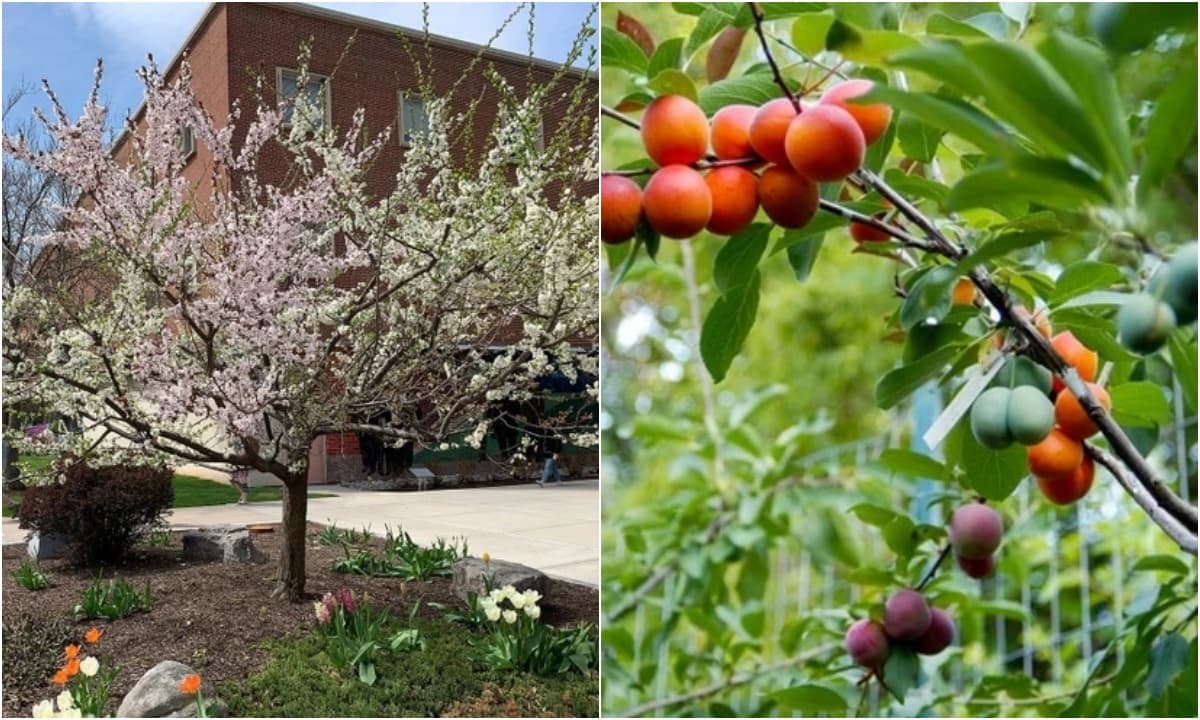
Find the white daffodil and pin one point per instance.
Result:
(533, 611)
(509, 591)
(492, 612)
(510, 616)
(532, 596)
(72, 713)
(44, 709)
(517, 600)
(497, 595)
(90, 666)
(65, 700)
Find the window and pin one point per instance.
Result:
(187, 143)
(315, 93)
(413, 120)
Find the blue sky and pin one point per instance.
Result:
(61, 41)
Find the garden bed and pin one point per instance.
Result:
(215, 617)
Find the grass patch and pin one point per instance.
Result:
(448, 675)
(189, 491)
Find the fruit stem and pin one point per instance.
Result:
(756, 11)
(933, 568)
(609, 112)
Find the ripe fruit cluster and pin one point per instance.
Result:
(824, 142)
(975, 534)
(907, 620)
(1018, 408)
(1146, 320)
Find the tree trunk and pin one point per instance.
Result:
(290, 580)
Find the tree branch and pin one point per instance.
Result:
(732, 682)
(762, 39)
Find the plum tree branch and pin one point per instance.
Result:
(1039, 349)
(925, 579)
(757, 12)
(619, 117)
(732, 682)
(1169, 523)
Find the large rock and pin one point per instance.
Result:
(157, 694)
(226, 543)
(46, 546)
(469, 576)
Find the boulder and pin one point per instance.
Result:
(470, 572)
(46, 546)
(157, 694)
(226, 543)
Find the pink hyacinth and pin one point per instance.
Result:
(346, 600)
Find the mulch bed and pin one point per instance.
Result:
(213, 616)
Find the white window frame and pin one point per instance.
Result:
(401, 97)
(187, 143)
(326, 92)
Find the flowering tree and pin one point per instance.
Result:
(230, 329)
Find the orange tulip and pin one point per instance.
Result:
(93, 635)
(61, 677)
(190, 684)
(72, 667)
(72, 651)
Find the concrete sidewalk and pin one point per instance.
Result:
(555, 528)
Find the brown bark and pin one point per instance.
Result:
(290, 580)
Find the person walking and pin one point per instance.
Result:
(240, 479)
(550, 470)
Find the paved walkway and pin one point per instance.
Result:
(555, 529)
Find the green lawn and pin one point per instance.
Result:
(189, 491)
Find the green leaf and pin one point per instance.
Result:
(753, 89)
(994, 474)
(620, 51)
(900, 535)
(1183, 361)
(710, 22)
(1045, 181)
(1003, 608)
(873, 514)
(912, 464)
(811, 700)
(928, 297)
(1170, 129)
(871, 576)
(667, 56)
(674, 82)
(1087, 70)
(739, 256)
(951, 115)
(918, 140)
(1125, 27)
(1084, 276)
(366, 673)
(1139, 403)
(629, 258)
(1167, 659)
(1166, 563)
(803, 255)
(649, 238)
(901, 670)
(901, 382)
(943, 24)
(878, 151)
(809, 31)
(822, 223)
(866, 47)
(1019, 87)
(917, 186)
(727, 325)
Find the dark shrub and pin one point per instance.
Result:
(103, 510)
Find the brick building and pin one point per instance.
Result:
(355, 63)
